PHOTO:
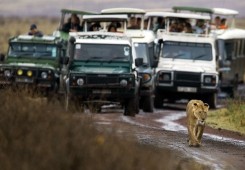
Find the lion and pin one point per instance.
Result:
(196, 112)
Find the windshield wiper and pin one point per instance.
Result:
(114, 58)
(19, 55)
(199, 56)
(44, 54)
(91, 58)
(178, 55)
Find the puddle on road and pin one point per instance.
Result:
(169, 124)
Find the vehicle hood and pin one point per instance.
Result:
(107, 68)
(37, 63)
(189, 65)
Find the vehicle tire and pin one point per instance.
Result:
(158, 102)
(72, 104)
(131, 106)
(147, 104)
(67, 102)
(212, 100)
(94, 108)
(52, 94)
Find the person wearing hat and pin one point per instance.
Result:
(34, 31)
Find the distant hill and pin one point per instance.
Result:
(25, 8)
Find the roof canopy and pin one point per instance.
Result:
(177, 15)
(192, 9)
(216, 11)
(71, 11)
(123, 11)
(105, 17)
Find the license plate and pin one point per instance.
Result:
(187, 89)
(24, 80)
(104, 91)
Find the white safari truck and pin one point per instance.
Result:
(230, 43)
(187, 67)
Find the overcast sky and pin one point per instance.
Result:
(52, 7)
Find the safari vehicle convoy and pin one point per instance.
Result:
(187, 66)
(34, 62)
(101, 70)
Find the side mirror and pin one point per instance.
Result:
(155, 63)
(71, 47)
(138, 62)
(2, 57)
(64, 60)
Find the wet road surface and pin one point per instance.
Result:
(160, 129)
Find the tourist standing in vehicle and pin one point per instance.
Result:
(216, 24)
(34, 31)
(187, 28)
(223, 24)
(133, 23)
(199, 27)
(160, 24)
(73, 24)
(112, 28)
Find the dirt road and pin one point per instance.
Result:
(165, 128)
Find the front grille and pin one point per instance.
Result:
(187, 77)
(102, 79)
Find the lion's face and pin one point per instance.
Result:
(200, 112)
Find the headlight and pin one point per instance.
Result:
(44, 75)
(19, 72)
(80, 82)
(7, 73)
(209, 80)
(123, 82)
(166, 77)
(29, 73)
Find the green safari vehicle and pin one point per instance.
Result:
(33, 62)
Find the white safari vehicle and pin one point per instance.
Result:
(231, 52)
(230, 43)
(187, 67)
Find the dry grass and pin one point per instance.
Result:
(231, 118)
(37, 135)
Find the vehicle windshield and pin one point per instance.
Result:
(142, 52)
(187, 50)
(32, 50)
(107, 52)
